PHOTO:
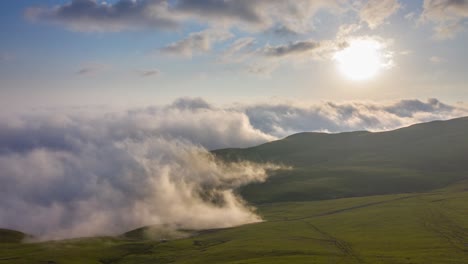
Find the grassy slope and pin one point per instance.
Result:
(405, 228)
(327, 166)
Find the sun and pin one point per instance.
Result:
(361, 59)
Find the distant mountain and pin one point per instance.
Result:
(325, 166)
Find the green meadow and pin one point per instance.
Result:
(427, 227)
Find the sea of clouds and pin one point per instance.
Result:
(83, 172)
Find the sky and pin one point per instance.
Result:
(145, 52)
(109, 110)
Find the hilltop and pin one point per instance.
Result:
(417, 158)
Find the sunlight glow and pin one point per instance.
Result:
(361, 60)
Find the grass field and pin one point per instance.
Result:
(421, 228)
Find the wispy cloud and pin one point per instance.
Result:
(436, 60)
(294, 48)
(196, 43)
(92, 68)
(447, 15)
(375, 12)
(149, 73)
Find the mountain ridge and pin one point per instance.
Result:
(416, 158)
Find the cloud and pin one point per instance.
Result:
(83, 172)
(72, 174)
(234, 10)
(283, 119)
(447, 30)
(266, 59)
(345, 30)
(447, 15)
(294, 48)
(283, 31)
(375, 12)
(90, 15)
(112, 187)
(92, 69)
(436, 60)
(240, 50)
(198, 42)
(264, 69)
(151, 72)
(258, 15)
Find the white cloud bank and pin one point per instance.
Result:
(75, 173)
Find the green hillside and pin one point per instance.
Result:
(326, 166)
(11, 236)
(418, 228)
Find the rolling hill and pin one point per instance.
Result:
(328, 166)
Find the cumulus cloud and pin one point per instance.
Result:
(72, 174)
(109, 188)
(198, 42)
(76, 173)
(262, 14)
(447, 15)
(90, 15)
(283, 119)
(375, 12)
